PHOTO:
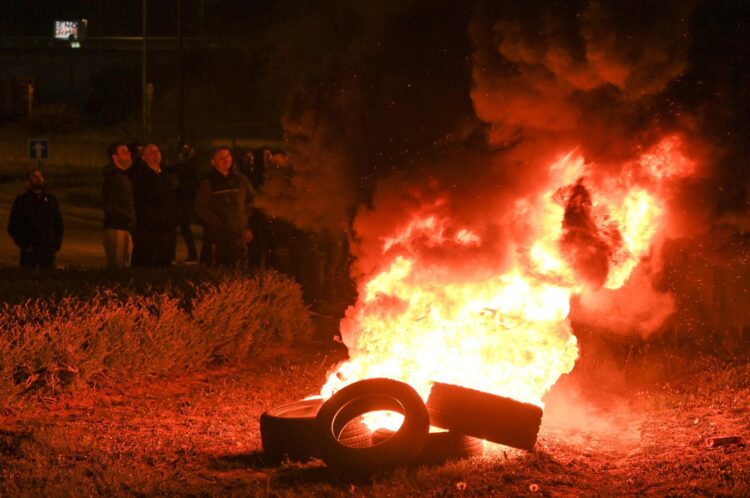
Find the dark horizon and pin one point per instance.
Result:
(226, 18)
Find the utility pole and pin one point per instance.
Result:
(144, 74)
(202, 12)
(30, 98)
(180, 89)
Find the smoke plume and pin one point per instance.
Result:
(455, 110)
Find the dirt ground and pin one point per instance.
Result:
(615, 426)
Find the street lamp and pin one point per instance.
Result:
(145, 97)
(180, 88)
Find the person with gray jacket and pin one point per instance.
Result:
(224, 203)
(119, 206)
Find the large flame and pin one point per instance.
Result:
(506, 334)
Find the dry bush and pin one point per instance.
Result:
(50, 346)
(283, 306)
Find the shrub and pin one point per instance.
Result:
(51, 346)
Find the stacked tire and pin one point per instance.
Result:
(483, 415)
(288, 431)
(332, 429)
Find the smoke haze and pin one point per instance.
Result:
(456, 109)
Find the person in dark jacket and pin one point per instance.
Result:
(224, 203)
(260, 254)
(118, 205)
(185, 173)
(36, 224)
(155, 209)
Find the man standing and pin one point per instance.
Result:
(119, 209)
(224, 202)
(185, 172)
(155, 209)
(36, 224)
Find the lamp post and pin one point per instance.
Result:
(180, 89)
(144, 74)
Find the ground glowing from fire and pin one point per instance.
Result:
(508, 334)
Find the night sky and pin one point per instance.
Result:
(383, 86)
(124, 17)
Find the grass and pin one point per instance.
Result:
(151, 383)
(197, 435)
(86, 332)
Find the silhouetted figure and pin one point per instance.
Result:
(260, 250)
(36, 224)
(136, 150)
(118, 206)
(155, 208)
(252, 169)
(224, 203)
(185, 173)
(316, 259)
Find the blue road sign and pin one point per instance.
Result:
(38, 148)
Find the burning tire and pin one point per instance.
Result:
(288, 430)
(483, 415)
(440, 446)
(367, 396)
(356, 435)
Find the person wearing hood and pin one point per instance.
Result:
(36, 224)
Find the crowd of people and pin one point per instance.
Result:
(145, 203)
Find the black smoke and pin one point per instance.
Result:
(467, 102)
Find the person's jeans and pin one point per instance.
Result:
(118, 246)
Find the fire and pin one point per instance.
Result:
(639, 216)
(667, 159)
(471, 334)
(506, 334)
